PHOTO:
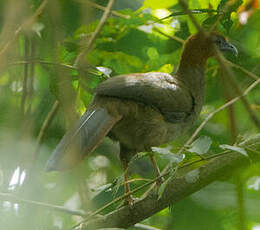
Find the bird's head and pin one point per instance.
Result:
(201, 46)
(222, 43)
(204, 44)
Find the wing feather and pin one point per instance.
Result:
(160, 90)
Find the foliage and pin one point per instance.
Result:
(38, 68)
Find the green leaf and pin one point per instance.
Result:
(116, 184)
(152, 53)
(162, 188)
(201, 145)
(102, 188)
(37, 28)
(155, 4)
(165, 153)
(254, 183)
(104, 70)
(229, 6)
(111, 229)
(210, 21)
(234, 148)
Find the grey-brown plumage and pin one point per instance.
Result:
(142, 110)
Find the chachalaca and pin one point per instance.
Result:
(142, 110)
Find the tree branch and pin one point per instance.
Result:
(97, 6)
(27, 24)
(186, 9)
(26, 72)
(95, 34)
(177, 189)
(45, 125)
(12, 198)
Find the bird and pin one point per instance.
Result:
(142, 110)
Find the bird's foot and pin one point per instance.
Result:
(159, 181)
(129, 200)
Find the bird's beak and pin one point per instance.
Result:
(229, 47)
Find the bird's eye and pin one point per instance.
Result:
(218, 41)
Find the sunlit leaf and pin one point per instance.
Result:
(162, 188)
(254, 183)
(154, 4)
(234, 148)
(166, 153)
(37, 28)
(201, 145)
(102, 188)
(106, 71)
(111, 229)
(116, 184)
(152, 53)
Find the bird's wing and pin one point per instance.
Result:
(160, 90)
(82, 139)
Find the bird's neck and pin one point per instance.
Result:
(195, 54)
(192, 58)
(191, 71)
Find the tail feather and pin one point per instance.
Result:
(82, 139)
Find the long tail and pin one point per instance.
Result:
(82, 139)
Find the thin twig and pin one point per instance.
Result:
(145, 227)
(97, 6)
(31, 82)
(250, 74)
(27, 24)
(89, 69)
(44, 63)
(172, 37)
(186, 9)
(231, 78)
(45, 125)
(194, 135)
(119, 199)
(192, 11)
(93, 37)
(12, 198)
(231, 113)
(242, 220)
(233, 134)
(26, 72)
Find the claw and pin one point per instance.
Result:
(129, 200)
(159, 181)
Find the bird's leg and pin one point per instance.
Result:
(128, 199)
(157, 170)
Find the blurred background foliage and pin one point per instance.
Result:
(38, 81)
